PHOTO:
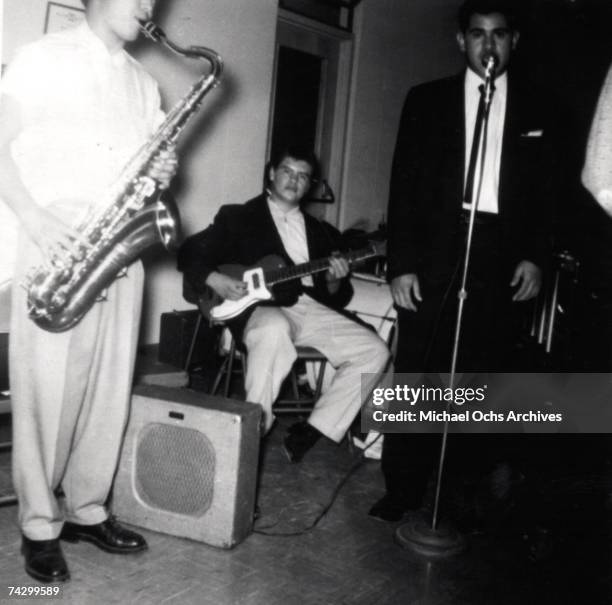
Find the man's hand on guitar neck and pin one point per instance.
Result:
(226, 287)
(338, 269)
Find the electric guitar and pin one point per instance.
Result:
(269, 271)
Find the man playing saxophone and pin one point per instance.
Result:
(75, 107)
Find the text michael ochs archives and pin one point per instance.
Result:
(497, 403)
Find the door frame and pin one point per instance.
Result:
(333, 165)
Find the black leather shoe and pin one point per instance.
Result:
(300, 438)
(44, 560)
(389, 509)
(108, 536)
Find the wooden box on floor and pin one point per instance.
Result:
(189, 465)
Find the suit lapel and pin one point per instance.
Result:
(456, 129)
(512, 123)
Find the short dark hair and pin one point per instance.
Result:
(297, 152)
(507, 8)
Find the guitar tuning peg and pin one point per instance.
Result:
(122, 273)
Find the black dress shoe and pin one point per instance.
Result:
(300, 438)
(44, 560)
(108, 536)
(390, 509)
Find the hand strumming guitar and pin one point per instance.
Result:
(226, 287)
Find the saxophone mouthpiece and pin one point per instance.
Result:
(152, 31)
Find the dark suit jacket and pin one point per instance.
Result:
(428, 173)
(243, 234)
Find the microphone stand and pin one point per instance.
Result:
(434, 540)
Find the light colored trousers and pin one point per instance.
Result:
(70, 396)
(271, 335)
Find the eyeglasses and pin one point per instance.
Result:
(303, 178)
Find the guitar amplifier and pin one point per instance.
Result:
(188, 465)
(176, 333)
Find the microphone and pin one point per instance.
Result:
(490, 63)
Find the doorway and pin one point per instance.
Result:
(310, 99)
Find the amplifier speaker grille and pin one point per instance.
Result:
(175, 469)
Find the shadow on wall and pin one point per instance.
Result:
(5, 310)
(5, 306)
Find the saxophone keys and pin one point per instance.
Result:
(103, 296)
(57, 262)
(147, 186)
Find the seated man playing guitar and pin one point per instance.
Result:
(286, 300)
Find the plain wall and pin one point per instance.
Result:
(222, 153)
(399, 43)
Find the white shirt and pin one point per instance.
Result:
(488, 201)
(84, 114)
(292, 230)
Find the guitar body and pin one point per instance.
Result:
(219, 310)
(270, 269)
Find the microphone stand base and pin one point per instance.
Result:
(418, 536)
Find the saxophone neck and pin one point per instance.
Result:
(153, 32)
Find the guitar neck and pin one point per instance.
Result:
(278, 276)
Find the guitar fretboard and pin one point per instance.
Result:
(276, 276)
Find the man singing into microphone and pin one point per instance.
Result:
(429, 209)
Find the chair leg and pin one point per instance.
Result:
(196, 332)
(230, 368)
(294, 383)
(219, 376)
(319, 383)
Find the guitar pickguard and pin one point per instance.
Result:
(256, 292)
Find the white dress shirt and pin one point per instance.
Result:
(292, 230)
(488, 201)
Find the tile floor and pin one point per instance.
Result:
(348, 558)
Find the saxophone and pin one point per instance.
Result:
(133, 217)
